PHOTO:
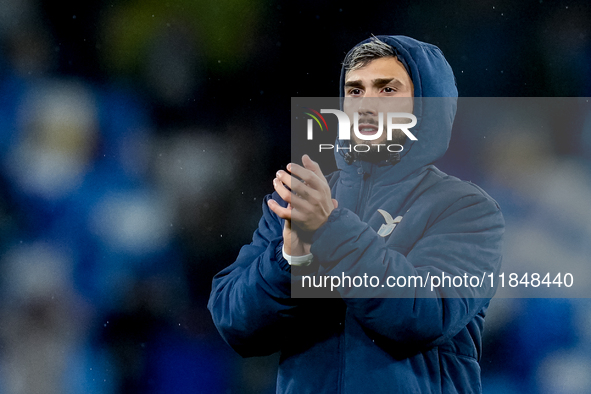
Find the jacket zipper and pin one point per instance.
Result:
(363, 191)
(359, 209)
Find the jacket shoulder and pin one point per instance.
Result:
(450, 188)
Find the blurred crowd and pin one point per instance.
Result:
(138, 138)
(123, 183)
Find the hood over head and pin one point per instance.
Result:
(435, 103)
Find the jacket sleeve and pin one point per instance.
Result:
(464, 239)
(250, 299)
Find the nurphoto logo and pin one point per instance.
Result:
(369, 132)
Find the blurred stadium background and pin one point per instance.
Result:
(137, 139)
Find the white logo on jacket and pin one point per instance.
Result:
(386, 229)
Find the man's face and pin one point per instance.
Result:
(383, 85)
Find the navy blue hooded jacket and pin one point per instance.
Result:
(418, 341)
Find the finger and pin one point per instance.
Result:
(283, 213)
(300, 207)
(283, 192)
(303, 190)
(299, 200)
(300, 210)
(313, 166)
(306, 175)
(284, 177)
(335, 203)
(296, 186)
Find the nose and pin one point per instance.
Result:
(367, 105)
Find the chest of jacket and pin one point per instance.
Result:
(399, 212)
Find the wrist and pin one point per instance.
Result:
(296, 250)
(302, 261)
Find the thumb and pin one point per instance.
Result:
(335, 203)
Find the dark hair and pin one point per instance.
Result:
(362, 54)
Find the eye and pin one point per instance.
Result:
(355, 92)
(389, 89)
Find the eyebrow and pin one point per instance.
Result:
(379, 82)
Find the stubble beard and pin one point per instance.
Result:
(378, 148)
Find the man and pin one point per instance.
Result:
(416, 339)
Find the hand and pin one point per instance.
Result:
(310, 202)
(295, 243)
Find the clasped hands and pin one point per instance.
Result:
(309, 204)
